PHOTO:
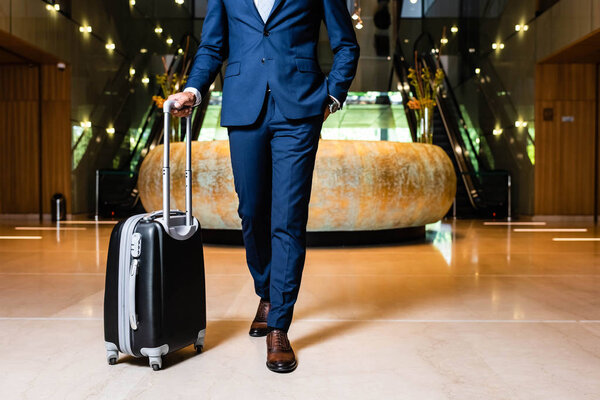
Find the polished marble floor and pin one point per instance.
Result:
(475, 312)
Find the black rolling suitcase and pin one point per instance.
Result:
(154, 300)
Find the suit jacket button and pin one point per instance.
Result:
(262, 60)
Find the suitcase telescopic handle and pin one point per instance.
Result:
(167, 107)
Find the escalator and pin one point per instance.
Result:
(481, 190)
(117, 162)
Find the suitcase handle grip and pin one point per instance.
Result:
(132, 280)
(167, 107)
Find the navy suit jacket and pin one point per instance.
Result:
(281, 53)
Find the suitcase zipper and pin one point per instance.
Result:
(125, 260)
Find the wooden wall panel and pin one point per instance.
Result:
(20, 150)
(564, 170)
(56, 134)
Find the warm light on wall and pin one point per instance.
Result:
(520, 124)
(521, 27)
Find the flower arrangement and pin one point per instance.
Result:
(426, 86)
(171, 82)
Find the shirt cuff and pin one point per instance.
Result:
(196, 93)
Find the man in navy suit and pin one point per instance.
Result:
(275, 99)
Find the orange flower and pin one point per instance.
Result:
(159, 101)
(414, 104)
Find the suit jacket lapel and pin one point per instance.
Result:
(275, 8)
(254, 11)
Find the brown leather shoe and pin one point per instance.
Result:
(259, 325)
(280, 356)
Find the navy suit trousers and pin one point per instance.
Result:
(273, 162)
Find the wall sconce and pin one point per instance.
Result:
(85, 29)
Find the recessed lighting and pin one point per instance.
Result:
(414, 1)
(169, 41)
(110, 46)
(55, 7)
(132, 71)
(497, 131)
(132, 2)
(85, 29)
(454, 29)
(143, 51)
(444, 40)
(179, 2)
(494, 46)
(180, 51)
(86, 124)
(145, 80)
(477, 71)
(110, 131)
(517, 27)
(158, 30)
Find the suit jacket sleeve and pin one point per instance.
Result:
(213, 48)
(344, 45)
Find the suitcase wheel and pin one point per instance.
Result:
(112, 356)
(155, 363)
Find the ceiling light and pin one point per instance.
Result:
(143, 51)
(180, 51)
(494, 46)
(85, 29)
(444, 40)
(414, 1)
(145, 80)
(169, 41)
(110, 46)
(158, 30)
(525, 27)
(132, 71)
(86, 124)
(132, 2)
(55, 7)
(454, 29)
(110, 131)
(517, 27)
(497, 131)
(179, 2)
(501, 45)
(477, 71)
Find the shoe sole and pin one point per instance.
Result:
(283, 370)
(258, 332)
